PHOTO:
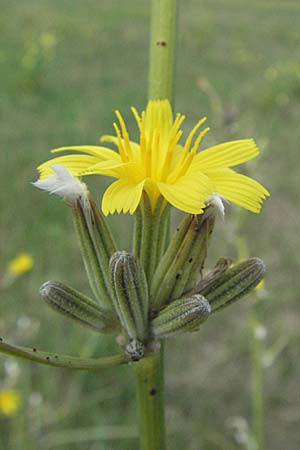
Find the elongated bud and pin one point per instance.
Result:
(95, 238)
(97, 246)
(234, 283)
(77, 306)
(131, 298)
(183, 261)
(182, 315)
(212, 278)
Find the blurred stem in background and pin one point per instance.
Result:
(149, 371)
(256, 349)
(257, 382)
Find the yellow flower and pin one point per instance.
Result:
(20, 264)
(160, 166)
(9, 402)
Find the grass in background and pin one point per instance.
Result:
(238, 64)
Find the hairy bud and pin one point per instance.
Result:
(234, 283)
(131, 298)
(183, 261)
(77, 306)
(182, 315)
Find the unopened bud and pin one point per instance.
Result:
(131, 298)
(97, 246)
(183, 261)
(77, 306)
(212, 278)
(234, 283)
(182, 315)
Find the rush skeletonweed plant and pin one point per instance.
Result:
(157, 291)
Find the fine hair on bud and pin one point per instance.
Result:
(74, 305)
(131, 299)
(180, 316)
(234, 283)
(180, 268)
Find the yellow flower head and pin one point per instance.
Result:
(22, 263)
(9, 402)
(160, 166)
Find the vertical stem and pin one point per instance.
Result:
(256, 381)
(162, 46)
(149, 374)
(149, 371)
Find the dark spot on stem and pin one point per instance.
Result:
(177, 276)
(34, 349)
(153, 392)
(161, 43)
(190, 260)
(48, 358)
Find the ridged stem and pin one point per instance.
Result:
(149, 371)
(150, 383)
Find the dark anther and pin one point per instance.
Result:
(34, 349)
(153, 391)
(191, 259)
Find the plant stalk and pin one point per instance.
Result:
(150, 383)
(162, 49)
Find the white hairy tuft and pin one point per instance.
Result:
(216, 200)
(63, 184)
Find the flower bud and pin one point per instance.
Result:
(211, 279)
(182, 315)
(97, 246)
(234, 283)
(131, 294)
(183, 261)
(77, 306)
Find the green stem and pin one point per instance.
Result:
(149, 371)
(57, 360)
(256, 381)
(150, 383)
(162, 46)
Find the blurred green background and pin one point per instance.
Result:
(66, 65)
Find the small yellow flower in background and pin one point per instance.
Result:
(22, 263)
(160, 166)
(10, 402)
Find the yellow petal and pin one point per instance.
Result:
(159, 116)
(74, 163)
(239, 189)
(226, 155)
(101, 153)
(109, 168)
(114, 140)
(122, 196)
(189, 193)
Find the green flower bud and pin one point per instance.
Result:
(97, 246)
(212, 278)
(181, 265)
(77, 306)
(131, 294)
(234, 283)
(182, 315)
